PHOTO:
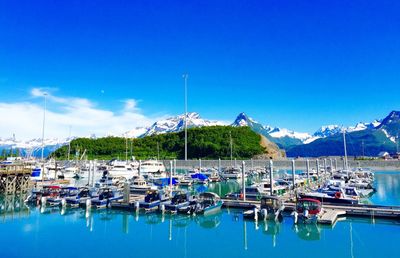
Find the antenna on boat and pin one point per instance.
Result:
(185, 77)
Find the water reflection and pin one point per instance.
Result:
(13, 206)
(387, 185)
(307, 231)
(209, 222)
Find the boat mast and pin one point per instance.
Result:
(345, 150)
(185, 76)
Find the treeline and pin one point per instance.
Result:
(205, 142)
(4, 153)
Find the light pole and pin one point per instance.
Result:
(185, 77)
(44, 121)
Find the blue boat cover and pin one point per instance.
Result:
(200, 176)
(164, 181)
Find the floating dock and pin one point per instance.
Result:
(331, 212)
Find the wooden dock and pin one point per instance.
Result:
(14, 179)
(127, 205)
(330, 216)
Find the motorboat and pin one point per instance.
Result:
(339, 197)
(39, 196)
(265, 187)
(71, 172)
(186, 181)
(271, 207)
(106, 196)
(212, 174)
(67, 191)
(252, 193)
(199, 178)
(82, 197)
(104, 181)
(231, 173)
(179, 200)
(139, 185)
(207, 203)
(153, 199)
(307, 210)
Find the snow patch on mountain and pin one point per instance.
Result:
(283, 132)
(136, 132)
(177, 123)
(391, 138)
(243, 120)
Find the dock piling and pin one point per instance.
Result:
(271, 167)
(293, 174)
(244, 180)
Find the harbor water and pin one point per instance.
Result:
(109, 233)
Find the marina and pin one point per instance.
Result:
(121, 218)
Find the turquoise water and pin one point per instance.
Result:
(107, 233)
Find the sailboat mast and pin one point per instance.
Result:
(345, 150)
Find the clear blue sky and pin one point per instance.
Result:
(293, 64)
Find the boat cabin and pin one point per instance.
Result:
(270, 203)
(313, 206)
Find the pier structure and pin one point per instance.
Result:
(13, 206)
(14, 178)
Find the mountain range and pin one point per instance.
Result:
(368, 138)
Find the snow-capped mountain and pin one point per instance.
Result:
(243, 120)
(330, 130)
(136, 132)
(327, 130)
(367, 139)
(34, 143)
(283, 132)
(281, 136)
(32, 147)
(176, 124)
(284, 138)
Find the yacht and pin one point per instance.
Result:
(121, 169)
(152, 169)
(139, 185)
(231, 173)
(265, 187)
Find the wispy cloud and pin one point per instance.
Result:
(84, 116)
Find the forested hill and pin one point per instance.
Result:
(206, 142)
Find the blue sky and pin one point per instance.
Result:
(292, 64)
